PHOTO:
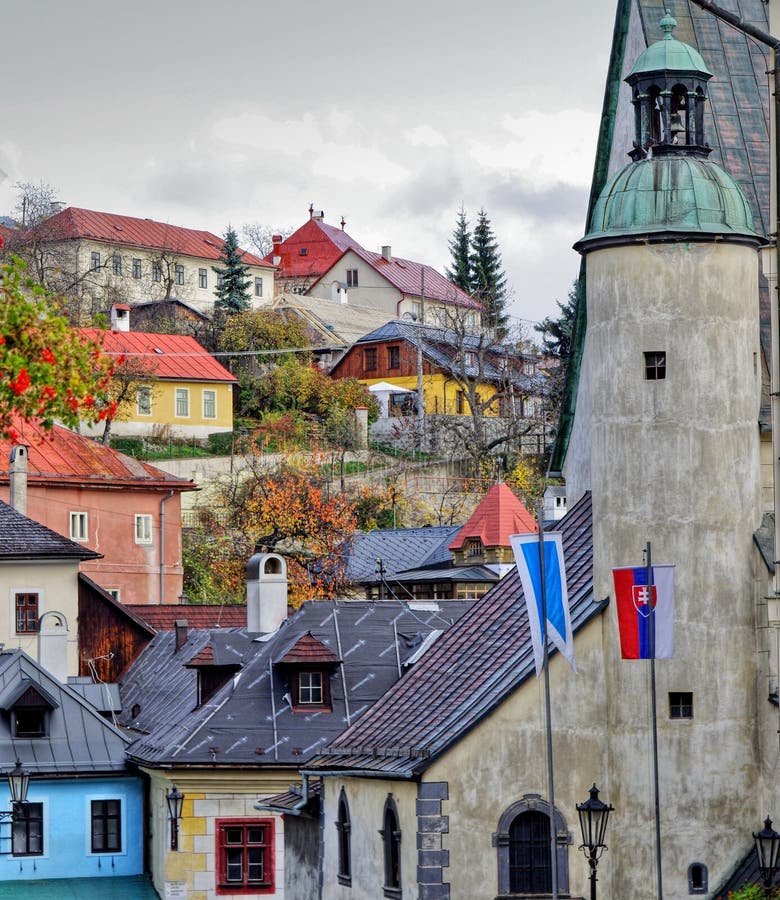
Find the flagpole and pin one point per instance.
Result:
(548, 717)
(654, 703)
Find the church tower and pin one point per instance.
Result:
(668, 443)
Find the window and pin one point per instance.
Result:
(106, 826)
(369, 359)
(393, 357)
(209, 404)
(344, 827)
(136, 268)
(27, 830)
(116, 264)
(416, 310)
(469, 358)
(304, 251)
(310, 688)
(179, 274)
(220, 280)
(78, 526)
(29, 721)
(352, 278)
(143, 528)
(156, 271)
(182, 402)
(258, 287)
(115, 593)
(460, 403)
(391, 838)
(697, 878)
(203, 278)
(655, 366)
(94, 260)
(245, 857)
(474, 547)
(680, 705)
(26, 613)
(143, 401)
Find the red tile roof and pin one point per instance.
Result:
(169, 355)
(163, 618)
(74, 223)
(309, 649)
(499, 514)
(64, 457)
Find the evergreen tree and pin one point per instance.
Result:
(460, 249)
(488, 282)
(557, 335)
(233, 288)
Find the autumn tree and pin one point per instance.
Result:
(132, 381)
(50, 372)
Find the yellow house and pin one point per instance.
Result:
(172, 381)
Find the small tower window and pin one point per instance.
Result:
(655, 365)
(680, 705)
(697, 878)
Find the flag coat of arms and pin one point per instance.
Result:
(526, 550)
(632, 600)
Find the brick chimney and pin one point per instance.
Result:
(18, 479)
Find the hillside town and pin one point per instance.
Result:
(328, 577)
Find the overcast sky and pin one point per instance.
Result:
(392, 114)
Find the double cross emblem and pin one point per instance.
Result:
(640, 594)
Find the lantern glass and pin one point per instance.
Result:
(767, 849)
(175, 800)
(594, 815)
(18, 782)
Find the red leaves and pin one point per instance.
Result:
(21, 383)
(48, 357)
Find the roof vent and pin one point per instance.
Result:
(118, 227)
(304, 251)
(387, 252)
(318, 214)
(157, 350)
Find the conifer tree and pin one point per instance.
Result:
(460, 249)
(233, 289)
(488, 282)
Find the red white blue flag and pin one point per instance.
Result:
(527, 557)
(632, 598)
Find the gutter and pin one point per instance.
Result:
(294, 810)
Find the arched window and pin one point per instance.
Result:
(391, 837)
(697, 878)
(523, 844)
(343, 826)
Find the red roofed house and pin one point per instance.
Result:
(112, 504)
(109, 256)
(188, 390)
(322, 260)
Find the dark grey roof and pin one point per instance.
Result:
(103, 697)
(399, 549)
(248, 722)
(79, 739)
(453, 573)
(490, 646)
(23, 538)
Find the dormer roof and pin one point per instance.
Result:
(306, 650)
(499, 514)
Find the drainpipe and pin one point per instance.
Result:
(295, 809)
(162, 545)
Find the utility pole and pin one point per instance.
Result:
(420, 397)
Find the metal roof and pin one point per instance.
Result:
(249, 721)
(23, 538)
(490, 647)
(399, 549)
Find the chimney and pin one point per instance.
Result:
(120, 317)
(180, 626)
(338, 291)
(387, 252)
(18, 481)
(266, 592)
(276, 239)
(318, 214)
(361, 427)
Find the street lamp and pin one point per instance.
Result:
(175, 801)
(768, 853)
(18, 782)
(593, 814)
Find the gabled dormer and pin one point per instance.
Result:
(307, 668)
(211, 674)
(29, 708)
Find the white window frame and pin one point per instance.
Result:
(115, 593)
(258, 286)
(213, 393)
(143, 409)
(179, 273)
(116, 264)
(122, 798)
(182, 394)
(137, 269)
(79, 527)
(143, 528)
(94, 260)
(203, 279)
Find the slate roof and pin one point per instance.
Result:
(249, 722)
(23, 538)
(163, 617)
(175, 356)
(79, 739)
(338, 324)
(63, 457)
(399, 549)
(428, 711)
(499, 513)
(128, 231)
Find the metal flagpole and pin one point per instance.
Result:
(548, 718)
(653, 698)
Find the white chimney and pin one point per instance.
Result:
(266, 592)
(276, 239)
(120, 317)
(338, 292)
(18, 480)
(387, 252)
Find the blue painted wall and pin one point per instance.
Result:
(67, 831)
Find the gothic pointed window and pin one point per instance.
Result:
(391, 838)
(344, 827)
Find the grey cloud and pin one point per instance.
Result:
(558, 203)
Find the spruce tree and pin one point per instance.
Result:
(488, 282)
(460, 249)
(233, 287)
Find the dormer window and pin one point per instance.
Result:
(474, 548)
(29, 707)
(311, 689)
(308, 666)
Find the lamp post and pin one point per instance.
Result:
(18, 782)
(768, 853)
(593, 814)
(175, 800)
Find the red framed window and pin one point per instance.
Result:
(26, 613)
(245, 856)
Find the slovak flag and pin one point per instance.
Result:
(631, 596)
(526, 550)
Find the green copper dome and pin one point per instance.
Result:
(669, 54)
(671, 194)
